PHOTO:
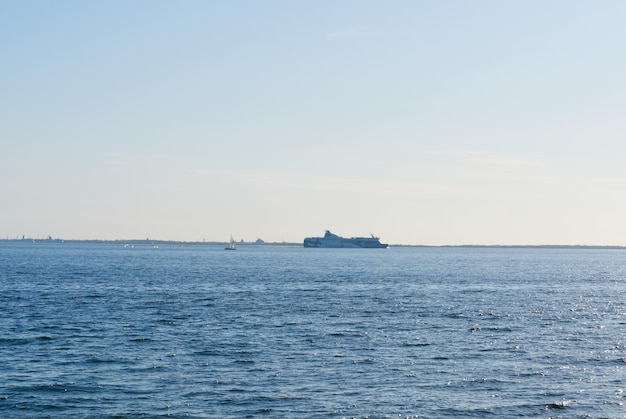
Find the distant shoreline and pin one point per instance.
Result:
(147, 242)
(292, 244)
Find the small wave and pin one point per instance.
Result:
(264, 410)
(91, 296)
(141, 340)
(415, 344)
(23, 341)
(345, 333)
(51, 326)
(208, 352)
(53, 387)
(561, 404)
(14, 341)
(500, 329)
(96, 360)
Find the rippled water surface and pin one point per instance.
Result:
(100, 330)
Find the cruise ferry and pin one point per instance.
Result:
(331, 240)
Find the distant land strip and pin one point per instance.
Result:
(244, 243)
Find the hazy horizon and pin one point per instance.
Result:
(422, 122)
(155, 240)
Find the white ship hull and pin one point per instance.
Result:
(334, 241)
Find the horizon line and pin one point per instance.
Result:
(285, 243)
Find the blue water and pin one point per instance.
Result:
(99, 330)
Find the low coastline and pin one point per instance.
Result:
(151, 242)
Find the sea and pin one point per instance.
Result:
(104, 330)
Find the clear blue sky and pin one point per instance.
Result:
(424, 122)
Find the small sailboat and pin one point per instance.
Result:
(231, 244)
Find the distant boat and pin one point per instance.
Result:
(334, 241)
(231, 244)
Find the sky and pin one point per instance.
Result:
(434, 122)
